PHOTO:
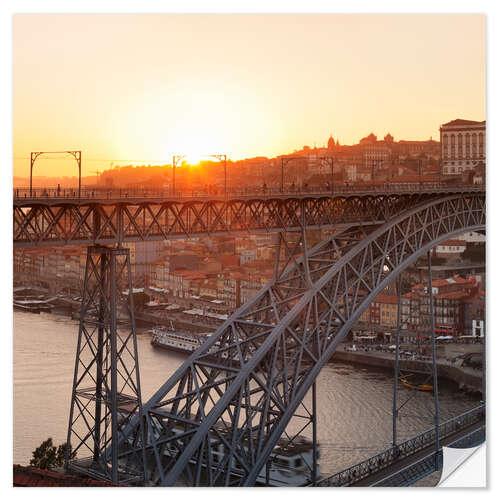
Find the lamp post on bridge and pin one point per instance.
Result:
(377, 163)
(175, 158)
(77, 155)
(284, 161)
(329, 160)
(395, 409)
(220, 158)
(432, 329)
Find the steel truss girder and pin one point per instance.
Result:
(240, 389)
(61, 222)
(106, 386)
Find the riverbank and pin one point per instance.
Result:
(467, 379)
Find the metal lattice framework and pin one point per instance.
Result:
(239, 391)
(106, 387)
(59, 221)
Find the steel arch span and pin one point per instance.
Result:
(218, 418)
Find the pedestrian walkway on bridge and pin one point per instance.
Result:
(414, 458)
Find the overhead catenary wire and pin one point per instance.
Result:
(163, 162)
(91, 159)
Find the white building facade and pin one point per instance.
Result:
(463, 146)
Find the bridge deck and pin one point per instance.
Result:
(398, 465)
(60, 220)
(414, 458)
(22, 197)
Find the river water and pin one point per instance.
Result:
(354, 403)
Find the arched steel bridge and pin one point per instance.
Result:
(218, 419)
(239, 391)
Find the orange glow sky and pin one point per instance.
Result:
(143, 87)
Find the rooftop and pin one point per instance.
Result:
(456, 243)
(456, 280)
(460, 122)
(451, 295)
(29, 476)
(387, 299)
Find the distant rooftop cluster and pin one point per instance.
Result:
(459, 153)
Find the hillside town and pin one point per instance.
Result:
(211, 277)
(459, 156)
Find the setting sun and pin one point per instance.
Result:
(194, 158)
(241, 85)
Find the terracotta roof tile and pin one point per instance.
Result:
(459, 121)
(387, 299)
(32, 477)
(454, 243)
(451, 295)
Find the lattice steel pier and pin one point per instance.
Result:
(106, 385)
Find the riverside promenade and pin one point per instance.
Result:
(466, 378)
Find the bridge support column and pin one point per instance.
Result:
(106, 386)
(432, 331)
(314, 418)
(484, 363)
(395, 409)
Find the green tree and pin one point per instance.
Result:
(47, 456)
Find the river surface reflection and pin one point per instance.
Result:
(354, 404)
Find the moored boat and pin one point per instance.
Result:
(411, 385)
(177, 340)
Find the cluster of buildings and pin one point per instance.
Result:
(371, 160)
(459, 156)
(55, 267)
(231, 270)
(227, 269)
(458, 303)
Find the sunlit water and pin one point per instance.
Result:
(354, 403)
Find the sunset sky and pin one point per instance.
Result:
(144, 87)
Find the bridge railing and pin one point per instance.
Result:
(387, 457)
(415, 471)
(135, 193)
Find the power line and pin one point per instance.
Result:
(90, 159)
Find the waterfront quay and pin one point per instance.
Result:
(453, 368)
